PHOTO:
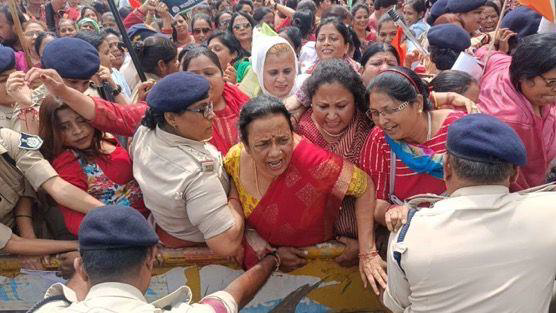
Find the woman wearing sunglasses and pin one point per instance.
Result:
(201, 27)
(241, 26)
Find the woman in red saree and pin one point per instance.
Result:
(226, 98)
(291, 190)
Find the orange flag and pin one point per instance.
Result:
(545, 7)
(135, 3)
(399, 44)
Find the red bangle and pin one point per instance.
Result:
(370, 254)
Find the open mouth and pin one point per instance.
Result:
(390, 129)
(274, 165)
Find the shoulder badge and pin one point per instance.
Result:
(207, 166)
(30, 142)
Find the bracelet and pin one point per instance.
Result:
(117, 91)
(276, 258)
(435, 103)
(371, 254)
(23, 215)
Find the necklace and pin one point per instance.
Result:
(429, 126)
(257, 179)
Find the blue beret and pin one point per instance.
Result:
(522, 21)
(72, 58)
(437, 10)
(177, 91)
(140, 32)
(115, 226)
(463, 6)
(7, 59)
(484, 138)
(449, 36)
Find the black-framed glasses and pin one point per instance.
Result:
(197, 31)
(550, 83)
(242, 26)
(206, 110)
(387, 112)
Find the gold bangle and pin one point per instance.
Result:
(23, 215)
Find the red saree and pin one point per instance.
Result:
(224, 134)
(349, 147)
(315, 184)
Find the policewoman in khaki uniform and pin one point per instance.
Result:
(180, 173)
(22, 169)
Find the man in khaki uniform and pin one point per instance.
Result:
(482, 249)
(22, 169)
(117, 254)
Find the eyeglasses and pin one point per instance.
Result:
(242, 26)
(550, 83)
(206, 110)
(197, 31)
(32, 34)
(387, 112)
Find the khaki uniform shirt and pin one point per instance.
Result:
(183, 182)
(481, 250)
(118, 297)
(10, 116)
(31, 170)
(58, 289)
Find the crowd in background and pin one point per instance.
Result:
(248, 102)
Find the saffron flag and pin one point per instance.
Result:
(546, 8)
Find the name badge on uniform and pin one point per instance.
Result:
(207, 166)
(30, 142)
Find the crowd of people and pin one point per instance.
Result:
(267, 126)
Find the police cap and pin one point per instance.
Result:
(72, 58)
(177, 91)
(484, 138)
(115, 226)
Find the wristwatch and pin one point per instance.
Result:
(117, 91)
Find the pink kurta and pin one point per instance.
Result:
(500, 98)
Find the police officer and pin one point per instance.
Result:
(75, 60)
(7, 66)
(482, 249)
(181, 175)
(22, 169)
(117, 256)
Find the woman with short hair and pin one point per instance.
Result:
(336, 122)
(272, 161)
(528, 101)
